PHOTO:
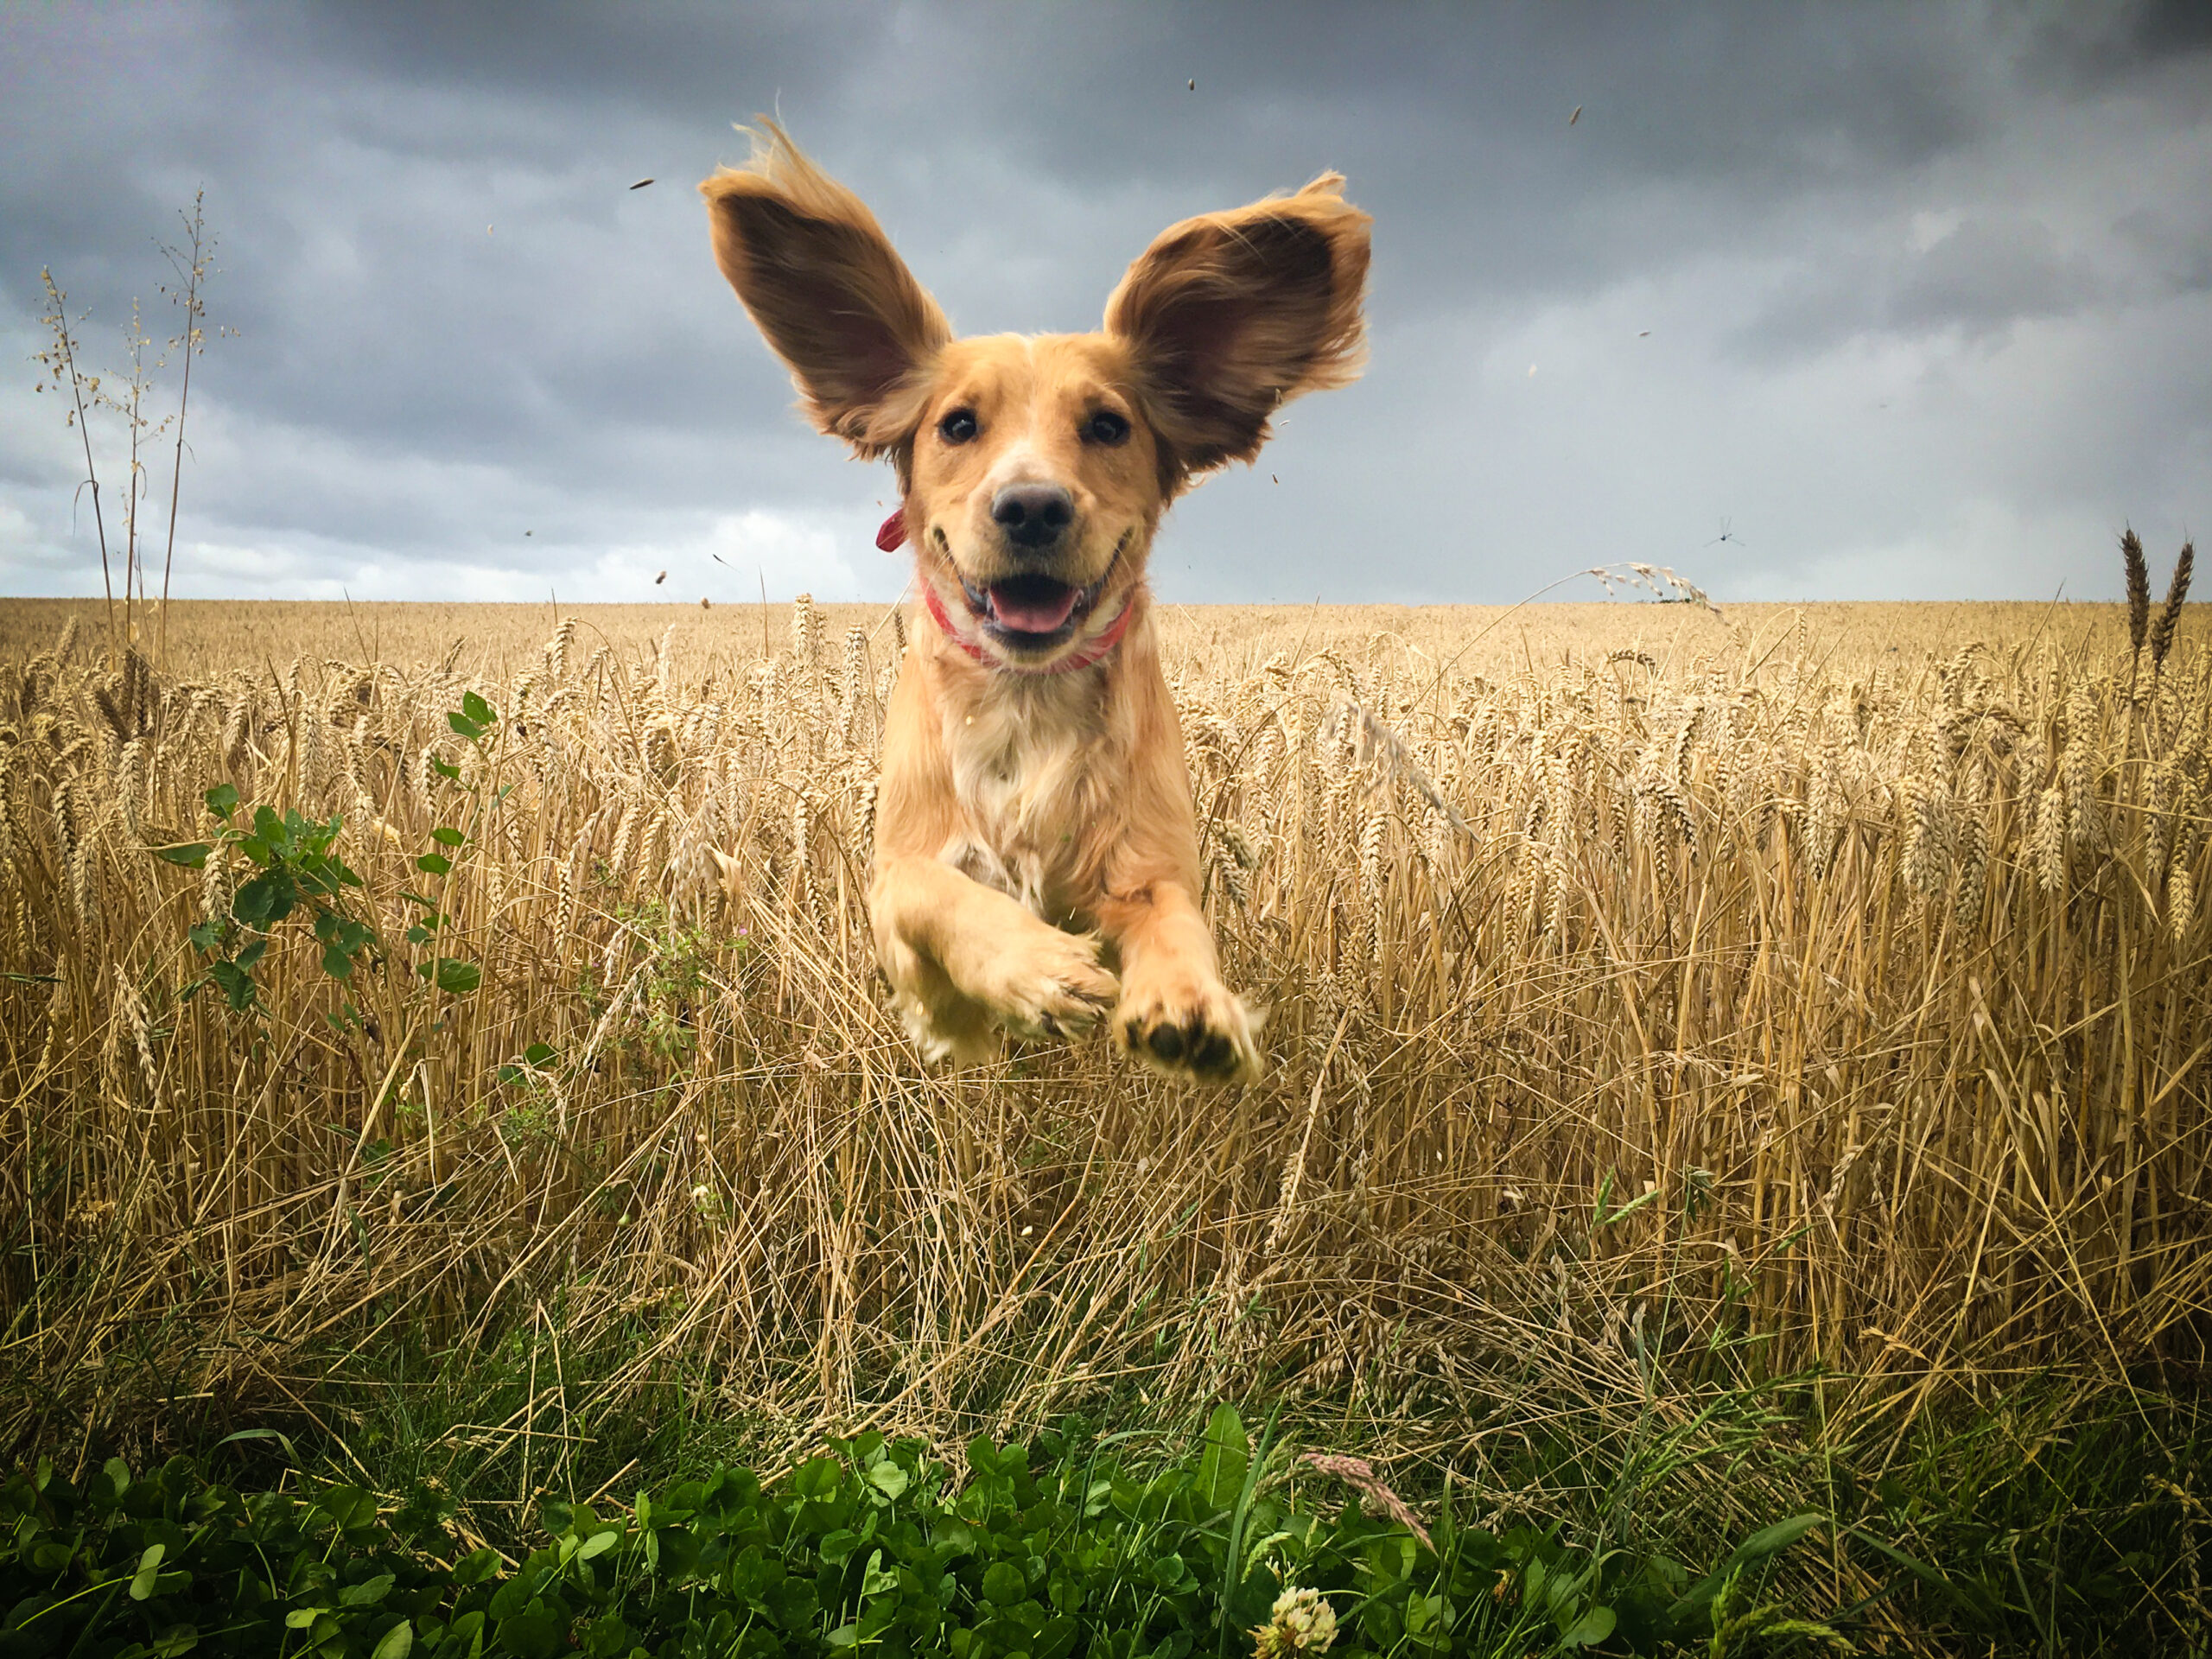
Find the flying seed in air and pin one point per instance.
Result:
(1194, 85)
(641, 184)
(1576, 116)
(660, 578)
(1644, 334)
(529, 532)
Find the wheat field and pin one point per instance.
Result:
(209, 638)
(1655, 1000)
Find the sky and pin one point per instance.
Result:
(1808, 303)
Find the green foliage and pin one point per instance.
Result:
(683, 960)
(170, 1564)
(297, 868)
(2049, 1520)
(868, 1546)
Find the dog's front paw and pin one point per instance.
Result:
(1188, 1025)
(1047, 983)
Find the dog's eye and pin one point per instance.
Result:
(1106, 427)
(958, 426)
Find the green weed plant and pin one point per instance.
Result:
(872, 1547)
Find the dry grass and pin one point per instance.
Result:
(1640, 1022)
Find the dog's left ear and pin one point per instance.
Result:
(1229, 315)
(831, 292)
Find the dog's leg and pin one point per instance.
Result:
(962, 958)
(1175, 1013)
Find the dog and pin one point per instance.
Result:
(1036, 864)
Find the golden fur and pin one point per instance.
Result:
(1036, 861)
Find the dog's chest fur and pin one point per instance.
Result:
(1031, 760)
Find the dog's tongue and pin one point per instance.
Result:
(1032, 606)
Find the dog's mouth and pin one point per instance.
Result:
(1030, 612)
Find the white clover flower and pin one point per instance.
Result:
(1303, 1623)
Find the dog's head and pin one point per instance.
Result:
(1034, 468)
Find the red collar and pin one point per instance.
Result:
(895, 532)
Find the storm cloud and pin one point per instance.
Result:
(1913, 303)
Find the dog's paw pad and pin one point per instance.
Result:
(1214, 1054)
(1212, 1042)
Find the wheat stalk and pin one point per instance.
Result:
(2138, 590)
(2162, 631)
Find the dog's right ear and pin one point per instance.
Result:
(835, 300)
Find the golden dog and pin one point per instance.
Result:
(1036, 851)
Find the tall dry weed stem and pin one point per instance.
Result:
(1883, 983)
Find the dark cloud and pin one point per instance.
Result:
(1971, 279)
(2172, 29)
(1989, 273)
(1888, 259)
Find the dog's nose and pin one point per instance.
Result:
(1033, 515)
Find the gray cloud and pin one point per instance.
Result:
(1925, 292)
(1987, 273)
